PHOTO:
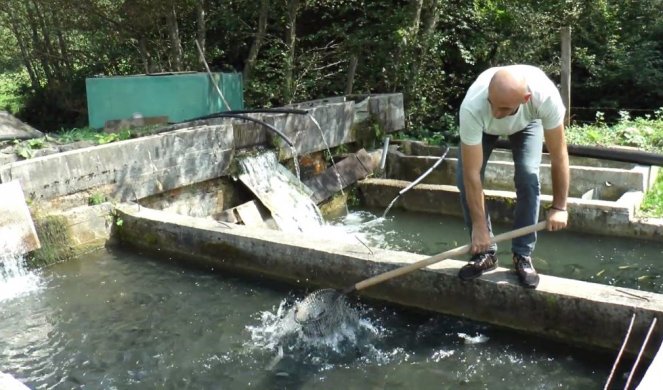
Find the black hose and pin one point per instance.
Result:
(615, 154)
(248, 118)
(269, 110)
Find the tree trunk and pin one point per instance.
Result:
(144, 54)
(290, 41)
(429, 25)
(417, 5)
(54, 58)
(351, 74)
(201, 25)
(403, 56)
(27, 60)
(38, 49)
(174, 34)
(257, 42)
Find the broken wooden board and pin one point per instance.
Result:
(16, 227)
(286, 197)
(355, 167)
(250, 213)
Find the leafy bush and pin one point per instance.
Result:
(643, 133)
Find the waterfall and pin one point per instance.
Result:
(17, 236)
(15, 278)
(288, 199)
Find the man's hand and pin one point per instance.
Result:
(557, 219)
(481, 241)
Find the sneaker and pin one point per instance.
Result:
(525, 270)
(477, 265)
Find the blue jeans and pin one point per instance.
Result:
(526, 148)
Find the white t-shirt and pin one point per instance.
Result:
(545, 105)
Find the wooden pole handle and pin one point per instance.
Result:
(461, 250)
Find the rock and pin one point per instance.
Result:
(12, 128)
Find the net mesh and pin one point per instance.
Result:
(323, 312)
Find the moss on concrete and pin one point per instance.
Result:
(56, 242)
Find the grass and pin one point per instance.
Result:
(652, 205)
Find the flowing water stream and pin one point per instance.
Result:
(115, 319)
(622, 262)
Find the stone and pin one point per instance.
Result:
(12, 128)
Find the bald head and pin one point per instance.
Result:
(506, 92)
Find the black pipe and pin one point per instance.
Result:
(255, 111)
(615, 154)
(269, 110)
(248, 118)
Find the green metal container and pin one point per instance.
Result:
(179, 96)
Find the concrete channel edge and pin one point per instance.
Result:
(570, 311)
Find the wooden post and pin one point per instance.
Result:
(566, 72)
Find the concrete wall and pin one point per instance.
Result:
(133, 168)
(571, 311)
(594, 216)
(188, 153)
(607, 183)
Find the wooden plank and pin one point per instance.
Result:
(566, 72)
(251, 215)
(353, 168)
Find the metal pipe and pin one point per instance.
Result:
(420, 178)
(385, 149)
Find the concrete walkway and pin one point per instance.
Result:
(580, 313)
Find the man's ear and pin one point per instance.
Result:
(527, 96)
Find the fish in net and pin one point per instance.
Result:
(323, 312)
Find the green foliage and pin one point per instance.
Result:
(10, 98)
(26, 148)
(106, 138)
(643, 132)
(96, 199)
(430, 54)
(652, 205)
(77, 134)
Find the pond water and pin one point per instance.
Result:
(614, 261)
(116, 319)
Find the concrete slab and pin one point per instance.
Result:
(570, 311)
(605, 183)
(593, 216)
(136, 168)
(17, 231)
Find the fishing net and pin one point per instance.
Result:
(323, 312)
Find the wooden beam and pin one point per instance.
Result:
(566, 72)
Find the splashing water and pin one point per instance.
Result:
(278, 333)
(15, 279)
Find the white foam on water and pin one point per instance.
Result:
(279, 334)
(15, 278)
